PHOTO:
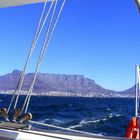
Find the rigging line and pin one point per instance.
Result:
(13, 96)
(62, 128)
(29, 55)
(46, 46)
(20, 83)
(40, 56)
(138, 97)
(137, 88)
(46, 17)
(25, 101)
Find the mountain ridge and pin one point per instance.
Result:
(46, 83)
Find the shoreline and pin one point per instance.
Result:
(24, 93)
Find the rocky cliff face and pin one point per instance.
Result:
(52, 82)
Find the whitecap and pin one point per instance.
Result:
(104, 119)
(57, 121)
(114, 115)
(53, 121)
(43, 121)
(108, 109)
(86, 122)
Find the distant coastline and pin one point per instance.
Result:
(66, 94)
(60, 85)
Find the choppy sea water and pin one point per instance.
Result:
(104, 116)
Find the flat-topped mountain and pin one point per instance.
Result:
(52, 82)
(60, 84)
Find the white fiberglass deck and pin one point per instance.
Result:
(7, 134)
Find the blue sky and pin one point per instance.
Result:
(97, 39)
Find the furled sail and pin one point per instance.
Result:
(138, 4)
(9, 3)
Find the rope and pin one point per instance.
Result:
(62, 128)
(46, 17)
(44, 48)
(138, 98)
(13, 97)
(40, 58)
(31, 51)
(35, 39)
(137, 90)
(20, 83)
(40, 54)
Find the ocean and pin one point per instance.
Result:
(103, 116)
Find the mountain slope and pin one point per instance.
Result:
(129, 92)
(52, 82)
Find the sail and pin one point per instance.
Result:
(9, 3)
(138, 4)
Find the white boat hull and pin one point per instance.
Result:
(7, 134)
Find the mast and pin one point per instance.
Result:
(137, 75)
(137, 89)
(10, 3)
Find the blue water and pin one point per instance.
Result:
(105, 116)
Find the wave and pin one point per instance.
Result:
(84, 122)
(57, 121)
(115, 115)
(43, 121)
(108, 109)
(52, 121)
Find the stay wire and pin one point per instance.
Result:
(46, 44)
(40, 57)
(25, 101)
(20, 83)
(138, 98)
(32, 48)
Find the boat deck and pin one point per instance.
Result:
(20, 134)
